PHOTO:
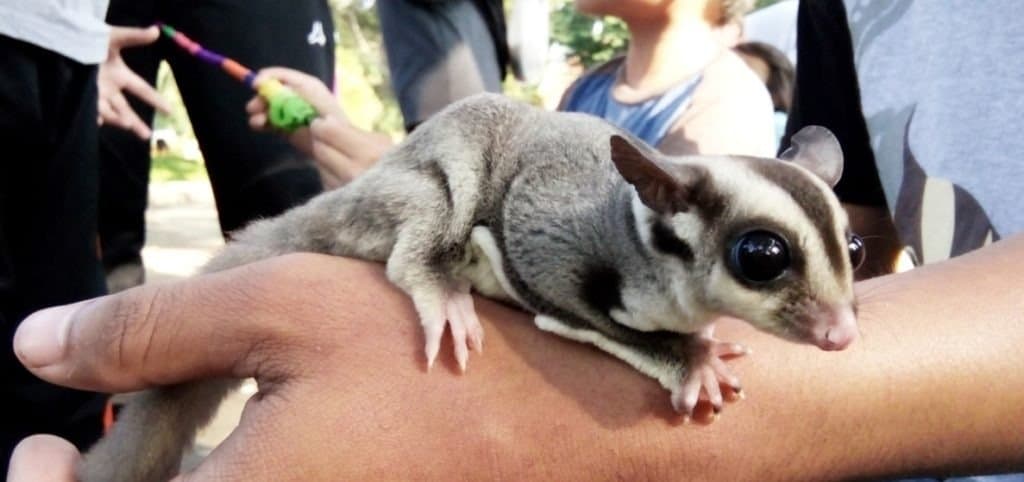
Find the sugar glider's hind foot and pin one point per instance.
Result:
(451, 306)
(705, 372)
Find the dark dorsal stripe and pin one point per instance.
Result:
(667, 242)
(811, 200)
(601, 288)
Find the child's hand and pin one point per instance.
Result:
(341, 150)
(115, 78)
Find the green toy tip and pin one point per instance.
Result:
(167, 29)
(288, 111)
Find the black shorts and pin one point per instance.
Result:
(48, 191)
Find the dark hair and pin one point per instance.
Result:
(780, 72)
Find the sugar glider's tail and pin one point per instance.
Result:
(153, 431)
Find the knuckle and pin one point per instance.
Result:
(135, 324)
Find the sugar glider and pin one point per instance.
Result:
(607, 241)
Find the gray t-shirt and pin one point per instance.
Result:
(438, 52)
(927, 101)
(72, 28)
(942, 92)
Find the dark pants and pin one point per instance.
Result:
(440, 52)
(253, 174)
(48, 191)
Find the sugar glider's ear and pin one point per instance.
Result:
(817, 150)
(665, 189)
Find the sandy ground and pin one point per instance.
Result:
(181, 234)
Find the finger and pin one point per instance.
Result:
(329, 180)
(329, 154)
(141, 89)
(121, 37)
(127, 118)
(107, 113)
(256, 105)
(222, 324)
(258, 121)
(43, 458)
(310, 88)
(330, 159)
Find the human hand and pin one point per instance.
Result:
(336, 351)
(43, 458)
(341, 150)
(114, 78)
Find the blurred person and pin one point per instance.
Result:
(440, 51)
(252, 174)
(777, 73)
(679, 87)
(61, 73)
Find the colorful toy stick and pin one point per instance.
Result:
(285, 109)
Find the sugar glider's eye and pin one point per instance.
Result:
(759, 256)
(857, 251)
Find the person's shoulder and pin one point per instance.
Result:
(728, 78)
(731, 113)
(601, 73)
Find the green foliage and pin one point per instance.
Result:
(364, 88)
(171, 167)
(590, 40)
(764, 3)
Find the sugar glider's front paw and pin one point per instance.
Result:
(704, 371)
(452, 307)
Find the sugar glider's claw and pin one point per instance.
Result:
(684, 399)
(465, 326)
(433, 330)
(456, 310)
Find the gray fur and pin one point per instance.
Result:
(563, 219)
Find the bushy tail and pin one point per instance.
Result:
(153, 431)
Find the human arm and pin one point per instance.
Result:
(933, 386)
(115, 78)
(340, 149)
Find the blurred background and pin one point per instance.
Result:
(576, 43)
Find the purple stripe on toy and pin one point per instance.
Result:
(210, 57)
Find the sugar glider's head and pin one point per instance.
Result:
(764, 240)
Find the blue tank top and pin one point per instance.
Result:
(649, 120)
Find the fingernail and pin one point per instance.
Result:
(41, 338)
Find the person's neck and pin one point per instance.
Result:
(663, 53)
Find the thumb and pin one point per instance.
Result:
(310, 88)
(221, 324)
(42, 458)
(121, 37)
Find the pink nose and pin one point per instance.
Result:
(836, 329)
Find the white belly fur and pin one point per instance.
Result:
(484, 268)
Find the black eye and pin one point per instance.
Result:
(856, 246)
(759, 256)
